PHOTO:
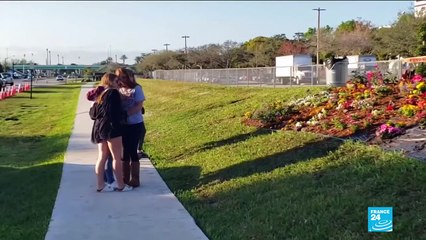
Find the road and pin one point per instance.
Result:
(39, 82)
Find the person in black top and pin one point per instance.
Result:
(107, 132)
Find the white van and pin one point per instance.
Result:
(297, 68)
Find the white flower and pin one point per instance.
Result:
(298, 125)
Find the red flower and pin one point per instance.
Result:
(347, 104)
(422, 104)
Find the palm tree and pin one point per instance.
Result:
(123, 57)
(138, 59)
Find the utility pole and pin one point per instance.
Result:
(47, 56)
(167, 45)
(154, 50)
(298, 35)
(257, 48)
(186, 51)
(50, 57)
(63, 60)
(318, 35)
(58, 59)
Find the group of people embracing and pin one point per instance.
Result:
(118, 130)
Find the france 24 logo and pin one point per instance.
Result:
(380, 219)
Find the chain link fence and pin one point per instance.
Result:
(275, 76)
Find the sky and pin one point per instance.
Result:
(90, 30)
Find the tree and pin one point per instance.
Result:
(139, 59)
(105, 62)
(421, 49)
(291, 47)
(347, 26)
(327, 43)
(399, 39)
(353, 38)
(255, 47)
(123, 58)
(88, 72)
(309, 34)
(228, 53)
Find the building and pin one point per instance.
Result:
(419, 8)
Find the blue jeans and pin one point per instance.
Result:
(109, 175)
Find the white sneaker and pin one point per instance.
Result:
(107, 188)
(126, 188)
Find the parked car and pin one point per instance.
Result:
(6, 78)
(59, 78)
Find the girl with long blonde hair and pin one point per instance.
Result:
(107, 132)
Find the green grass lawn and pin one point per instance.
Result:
(34, 136)
(239, 182)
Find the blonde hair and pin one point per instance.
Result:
(107, 81)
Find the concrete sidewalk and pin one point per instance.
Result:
(148, 212)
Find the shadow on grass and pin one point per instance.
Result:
(27, 198)
(224, 142)
(234, 139)
(181, 178)
(269, 163)
(188, 177)
(30, 150)
(329, 201)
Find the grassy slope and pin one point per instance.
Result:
(34, 135)
(243, 183)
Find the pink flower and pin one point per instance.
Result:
(388, 131)
(417, 78)
(370, 75)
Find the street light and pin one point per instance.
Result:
(58, 59)
(154, 50)
(23, 62)
(31, 78)
(167, 45)
(318, 35)
(47, 56)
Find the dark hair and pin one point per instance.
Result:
(124, 79)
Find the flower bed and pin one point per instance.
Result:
(370, 103)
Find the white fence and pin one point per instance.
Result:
(274, 76)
